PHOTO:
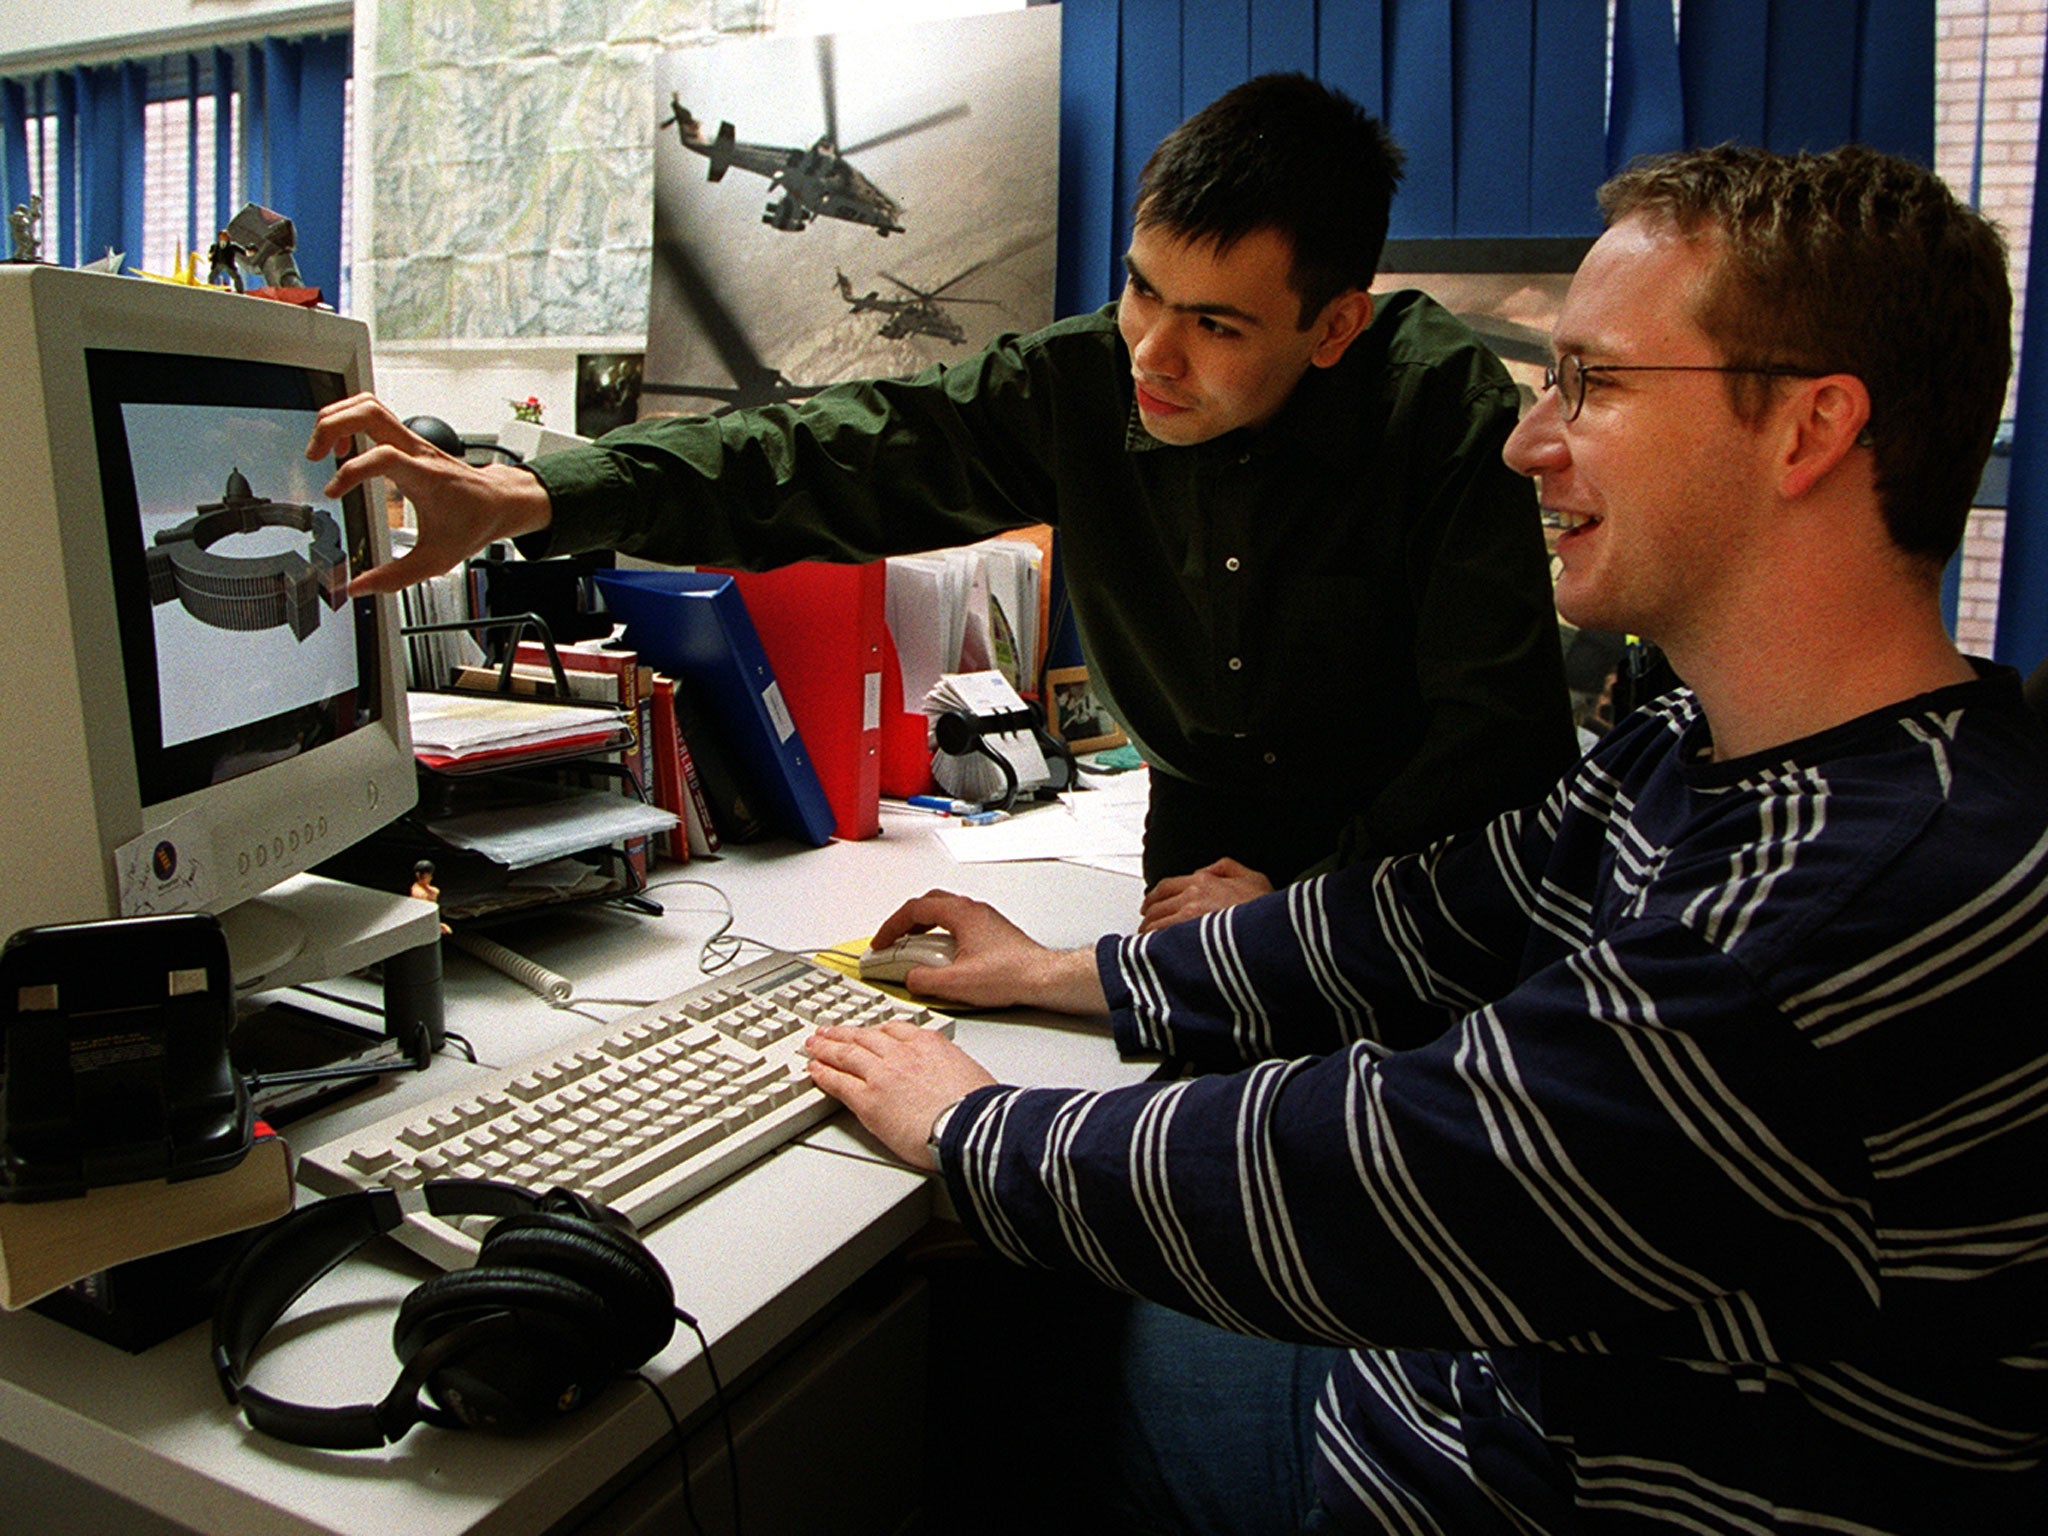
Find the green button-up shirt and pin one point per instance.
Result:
(1349, 605)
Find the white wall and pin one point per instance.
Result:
(43, 32)
(472, 389)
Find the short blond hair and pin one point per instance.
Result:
(1861, 263)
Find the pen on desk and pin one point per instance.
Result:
(941, 804)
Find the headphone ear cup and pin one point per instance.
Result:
(538, 1349)
(639, 1303)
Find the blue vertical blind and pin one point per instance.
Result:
(83, 129)
(2023, 571)
(1506, 108)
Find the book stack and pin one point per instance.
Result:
(678, 786)
(664, 764)
(602, 669)
(433, 655)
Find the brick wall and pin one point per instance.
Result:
(1988, 59)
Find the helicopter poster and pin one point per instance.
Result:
(856, 205)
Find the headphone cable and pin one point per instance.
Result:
(732, 1459)
(675, 1430)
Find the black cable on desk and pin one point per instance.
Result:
(732, 1458)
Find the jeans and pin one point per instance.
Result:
(1214, 1432)
(1058, 1406)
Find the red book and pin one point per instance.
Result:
(824, 630)
(698, 826)
(668, 768)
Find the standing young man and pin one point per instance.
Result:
(1305, 584)
(1669, 1155)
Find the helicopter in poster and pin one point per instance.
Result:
(819, 181)
(918, 314)
(754, 381)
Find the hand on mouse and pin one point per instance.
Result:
(907, 954)
(996, 964)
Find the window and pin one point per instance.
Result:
(152, 157)
(177, 180)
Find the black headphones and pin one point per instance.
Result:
(564, 1299)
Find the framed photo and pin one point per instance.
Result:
(1508, 291)
(1075, 716)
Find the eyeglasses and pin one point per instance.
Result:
(1568, 376)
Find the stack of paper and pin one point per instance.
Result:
(473, 729)
(433, 656)
(966, 610)
(549, 826)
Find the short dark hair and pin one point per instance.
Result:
(1286, 153)
(1861, 263)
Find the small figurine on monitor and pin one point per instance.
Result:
(423, 886)
(23, 225)
(528, 409)
(222, 257)
(267, 240)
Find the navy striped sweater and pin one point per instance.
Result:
(1717, 1092)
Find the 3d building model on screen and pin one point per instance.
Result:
(252, 591)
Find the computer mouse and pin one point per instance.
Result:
(894, 963)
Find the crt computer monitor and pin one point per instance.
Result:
(192, 709)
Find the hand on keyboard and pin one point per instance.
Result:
(639, 1115)
(897, 1078)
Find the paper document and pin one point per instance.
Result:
(1103, 829)
(1056, 831)
(520, 836)
(962, 610)
(1115, 804)
(451, 724)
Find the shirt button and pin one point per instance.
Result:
(1237, 663)
(1244, 458)
(1271, 759)
(1230, 564)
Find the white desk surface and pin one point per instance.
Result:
(753, 1259)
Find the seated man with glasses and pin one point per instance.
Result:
(1672, 1154)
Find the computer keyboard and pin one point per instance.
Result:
(641, 1114)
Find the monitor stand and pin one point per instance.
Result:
(310, 929)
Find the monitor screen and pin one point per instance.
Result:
(247, 650)
(195, 712)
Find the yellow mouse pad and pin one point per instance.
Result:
(844, 958)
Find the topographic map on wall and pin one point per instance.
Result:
(513, 152)
(848, 206)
